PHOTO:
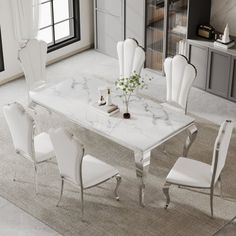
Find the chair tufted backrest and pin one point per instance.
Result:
(33, 61)
(69, 154)
(131, 57)
(221, 147)
(179, 77)
(21, 127)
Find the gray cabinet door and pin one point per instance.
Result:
(198, 56)
(108, 33)
(218, 72)
(135, 20)
(232, 85)
(109, 25)
(113, 7)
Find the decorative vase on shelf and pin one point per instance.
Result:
(225, 37)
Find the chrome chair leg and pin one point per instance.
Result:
(15, 166)
(36, 178)
(82, 202)
(14, 176)
(118, 181)
(165, 190)
(220, 186)
(61, 193)
(211, 200)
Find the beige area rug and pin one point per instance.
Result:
(228, 230)
(188, 213)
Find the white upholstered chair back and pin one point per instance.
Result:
(21, 127)
(221, 148)
(69, 154)
(179, 77)
(33, 61)
(131, 57)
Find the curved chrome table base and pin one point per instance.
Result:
(142, 162)
(115, 128)
(192, 134)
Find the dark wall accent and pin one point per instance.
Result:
(1, 54)
(199, 13)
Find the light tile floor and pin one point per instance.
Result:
(16, 222)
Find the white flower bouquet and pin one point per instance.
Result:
(128, 86)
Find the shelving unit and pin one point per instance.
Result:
(155, 14)
(177, 26)
(168, 24)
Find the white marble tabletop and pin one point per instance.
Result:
(150, 122)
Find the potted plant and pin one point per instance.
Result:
(128, 86)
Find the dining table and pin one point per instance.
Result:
(150, 125)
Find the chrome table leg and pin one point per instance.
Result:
(142, 162)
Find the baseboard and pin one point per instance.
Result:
(9, 79)
(17, 76)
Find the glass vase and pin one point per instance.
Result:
(126, 115)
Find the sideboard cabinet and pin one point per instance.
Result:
(198, 56)
(216, 68)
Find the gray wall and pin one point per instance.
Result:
(223, 12)
(135, 23)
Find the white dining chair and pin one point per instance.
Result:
(78, 169)
(195, 174)
(180, 75)
(131, 57)
(33, 58)
(35, 148)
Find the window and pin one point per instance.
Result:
(59, 22)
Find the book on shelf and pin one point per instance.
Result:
(106, 109)
(220, 44)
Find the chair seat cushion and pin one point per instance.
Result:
(190, 172)
(43, 147)
(95, 171)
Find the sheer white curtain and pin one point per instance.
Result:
(25, 15)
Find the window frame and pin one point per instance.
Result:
(2, 66)
(76, 27)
